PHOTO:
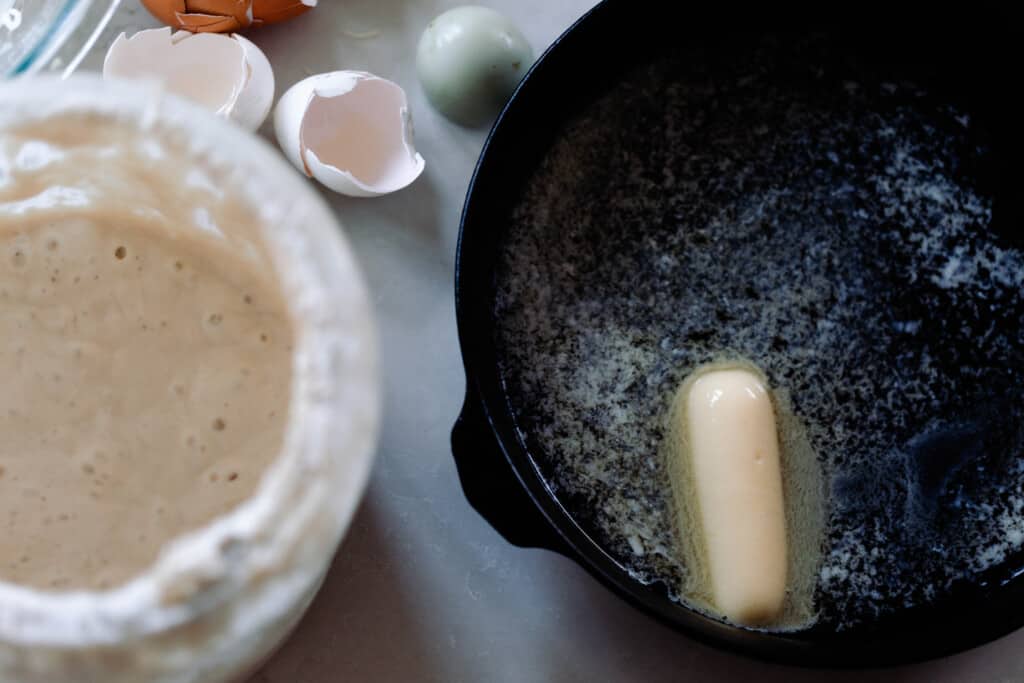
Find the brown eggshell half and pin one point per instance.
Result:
(223, 16)
(235, 9)
(273, 11)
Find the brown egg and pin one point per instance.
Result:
(224, 16)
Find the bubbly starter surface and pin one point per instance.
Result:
(145, 389)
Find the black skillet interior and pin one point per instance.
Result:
(644, 120)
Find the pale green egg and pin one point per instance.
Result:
(470, 60)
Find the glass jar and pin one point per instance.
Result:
(49, 35)
(218, 600)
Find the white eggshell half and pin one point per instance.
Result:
(227, 74)
(351, 131)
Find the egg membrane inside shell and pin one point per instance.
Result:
(365, 146)
(148, 54)
(351, 131)
(228, 75)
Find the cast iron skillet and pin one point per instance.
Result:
(968, 58)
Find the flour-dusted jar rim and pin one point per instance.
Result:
(219, 598)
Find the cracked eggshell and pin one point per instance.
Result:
(225, 16)
(274, 11)
(226, 74)
(351, 131)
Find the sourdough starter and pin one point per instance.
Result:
(145, 377)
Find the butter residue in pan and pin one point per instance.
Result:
(844, 244)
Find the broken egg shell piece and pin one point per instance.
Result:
(226, 74)
(257, 96)
(225, 16)
(207, 16)
(351, 131)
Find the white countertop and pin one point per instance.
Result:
(422, 588)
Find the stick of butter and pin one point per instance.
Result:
(733, 448)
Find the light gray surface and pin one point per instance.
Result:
(422, 589)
